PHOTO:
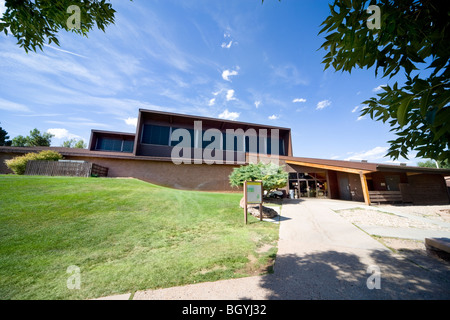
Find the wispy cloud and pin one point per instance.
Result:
(227, 115)
(361, 118)
(370, 155)
(13, 106)
(65, 51)
(379, 88)
(78, 124)
(299, 100)
(355, 109)
(257, 104)
(288, 74)
(323, 104)
(274, 117)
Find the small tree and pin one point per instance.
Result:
(74, 143)
(271, 175)
(19, 164)
(35, 139)
(4, 138)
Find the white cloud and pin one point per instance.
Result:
(12, 106)
(62, 133)
(373, 154)
(257, 104)
(212, 102)
(65, 51)
(229, 115)
(379, 88)
(361, 118)
(228, 73)
(131, 121)
(298, 100)
(323, 104)
(355, 109)
(230, 95)
(227, 46)
(274, 117)
(2, 8)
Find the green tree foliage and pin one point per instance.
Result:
(33, 23)
(35, 139)
(4, 138)
(414, 38)
(19, 164)
(432, 164)
(272, 175)
(74, 143)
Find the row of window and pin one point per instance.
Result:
(161, 135)
(111, 144)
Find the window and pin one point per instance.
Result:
(153, 134)
(175, 142)
(128, 146)
(111, 144)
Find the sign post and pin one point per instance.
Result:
(253, 192)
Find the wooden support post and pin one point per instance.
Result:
(260, 211)
(365, 188)
(245, 202)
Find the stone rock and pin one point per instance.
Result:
(242, 203)
(268, 213)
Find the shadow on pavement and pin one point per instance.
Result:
(339, 275)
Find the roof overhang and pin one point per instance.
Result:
(328, 167)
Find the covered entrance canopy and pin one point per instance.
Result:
(367, 182)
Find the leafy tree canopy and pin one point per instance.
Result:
(33, 23)
(74, 143)
(413, 37)
(35, 139)
(433, 164)
(272, 175)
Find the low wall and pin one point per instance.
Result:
(201, 177)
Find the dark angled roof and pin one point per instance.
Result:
(244, 124)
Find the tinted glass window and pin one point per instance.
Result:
(154, 134)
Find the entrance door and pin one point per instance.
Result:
(392, 183)
(344, 188)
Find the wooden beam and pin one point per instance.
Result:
(327, 167)
(365, 188)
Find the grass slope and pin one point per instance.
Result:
(123, 234)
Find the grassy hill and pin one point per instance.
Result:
(123, 235)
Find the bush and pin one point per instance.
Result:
(19, 164)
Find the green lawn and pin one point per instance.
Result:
(123, 234)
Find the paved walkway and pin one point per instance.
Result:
(322, 256)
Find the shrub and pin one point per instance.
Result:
(19, 164)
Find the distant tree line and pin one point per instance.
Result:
(37, 139)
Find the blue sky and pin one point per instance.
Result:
(233, 59)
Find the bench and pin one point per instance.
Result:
(385, 196)
(439, 247)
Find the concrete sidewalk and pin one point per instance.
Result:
(322, 256)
